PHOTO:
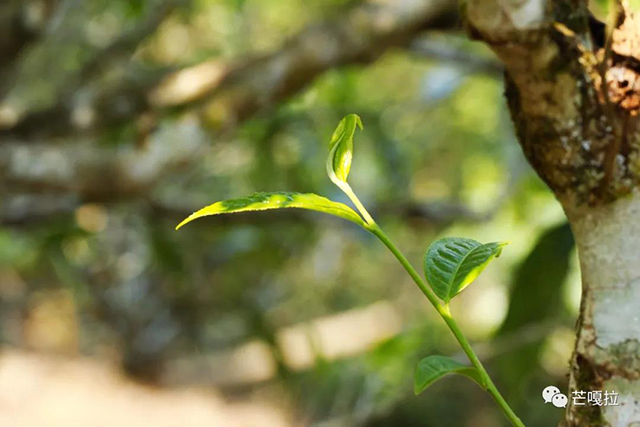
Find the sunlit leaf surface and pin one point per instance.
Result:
(279, 200)
(452, 263)
(341, 148)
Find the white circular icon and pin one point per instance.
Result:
(559, 400)
(549, 392)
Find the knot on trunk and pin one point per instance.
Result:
(573, 89)
(623, 76)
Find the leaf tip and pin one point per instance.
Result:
(186, 220)
(359, 121)
(501, 246)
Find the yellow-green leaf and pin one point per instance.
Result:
(341, 148)
(279, 200)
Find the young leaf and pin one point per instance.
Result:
(452, 263)
(279, 200)
(432, 368)
(341, 148)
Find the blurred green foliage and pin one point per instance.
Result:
(437, 157)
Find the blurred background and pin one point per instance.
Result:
(119, 118)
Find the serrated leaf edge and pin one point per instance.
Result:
(449, 297)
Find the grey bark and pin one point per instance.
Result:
(574, 99)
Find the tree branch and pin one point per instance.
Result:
(228, 94)
(125, 45)
(81, 166)
(78, 167)
(49, 182)
(73, 112)
(446, 52)
(21, 23)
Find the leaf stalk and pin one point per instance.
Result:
(445, 313)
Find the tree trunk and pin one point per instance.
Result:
(574, 94)
(607, 352)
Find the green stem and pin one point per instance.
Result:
(346, 188)
(444, 312)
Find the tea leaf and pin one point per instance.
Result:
(432, 368)
(341, 148)
(452, 263)
(278, 200)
